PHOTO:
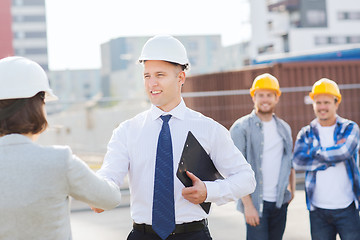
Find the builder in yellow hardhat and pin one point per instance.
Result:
(265, 140)
(327, 150)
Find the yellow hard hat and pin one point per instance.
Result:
(265, 81)
(325, 86)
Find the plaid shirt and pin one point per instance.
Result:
(309, 156)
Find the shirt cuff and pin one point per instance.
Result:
(213, 191)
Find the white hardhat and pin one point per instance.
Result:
(165, 48)
(23, 78)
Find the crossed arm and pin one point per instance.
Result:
(313, 158)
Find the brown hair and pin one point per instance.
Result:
(183, 67)
(30, 118)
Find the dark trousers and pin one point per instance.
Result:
(326, 223)
(199, 235)
(272, 223)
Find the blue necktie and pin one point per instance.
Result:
(163, 213)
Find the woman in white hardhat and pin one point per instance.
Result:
(36, 181)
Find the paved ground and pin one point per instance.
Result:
(225, 222)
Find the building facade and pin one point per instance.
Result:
(280, 26)
(23, 23)
(6, 45)
(74, 87)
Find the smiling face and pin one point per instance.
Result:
(265, 101)
(325, 107)
(163, 81)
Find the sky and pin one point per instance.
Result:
(77, 28)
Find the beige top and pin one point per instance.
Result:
(35, 185)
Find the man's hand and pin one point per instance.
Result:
(341, 141)
(197, 193)
(292, 184)
(97, 210)
(251, 215)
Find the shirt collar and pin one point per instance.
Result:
(257, 119)
(14, 139)
(339, 121)
(177, 112)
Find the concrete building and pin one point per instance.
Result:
(297, 25)
(27, 21)
(122, 76)
(6, 36)
(73, 86)
(235, 56)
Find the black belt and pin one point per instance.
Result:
(179, 228)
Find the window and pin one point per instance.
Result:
(322, 40)
(316, 18)
(313, 13)
(36, 51)
(342, 15)
(295, 19)
(19, 52)
(348, 15)
(29, 18)
(19, 35)
(353, 39)
(17, 2)
(338, 40)
(354, 15)
(266, 49)
(28, 2)
(33, 2)
(35, 18)
(22, 35)
(35, 35)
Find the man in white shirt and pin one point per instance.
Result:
(266, 142)
(327, 149)
(134, 150)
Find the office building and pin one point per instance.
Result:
(280, 26)
(23, 30)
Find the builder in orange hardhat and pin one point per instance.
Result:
(327, 150)
(265, 140)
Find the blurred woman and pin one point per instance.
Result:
(36, 181)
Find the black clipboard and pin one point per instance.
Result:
(195, 159)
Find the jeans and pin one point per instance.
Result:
(199, 235)
(272, 223)
(326, 223)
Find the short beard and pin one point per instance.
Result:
(271, 111)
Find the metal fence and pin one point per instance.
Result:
(225, 96)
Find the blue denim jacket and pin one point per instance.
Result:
(248, 136)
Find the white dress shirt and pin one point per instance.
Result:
(132, 150)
